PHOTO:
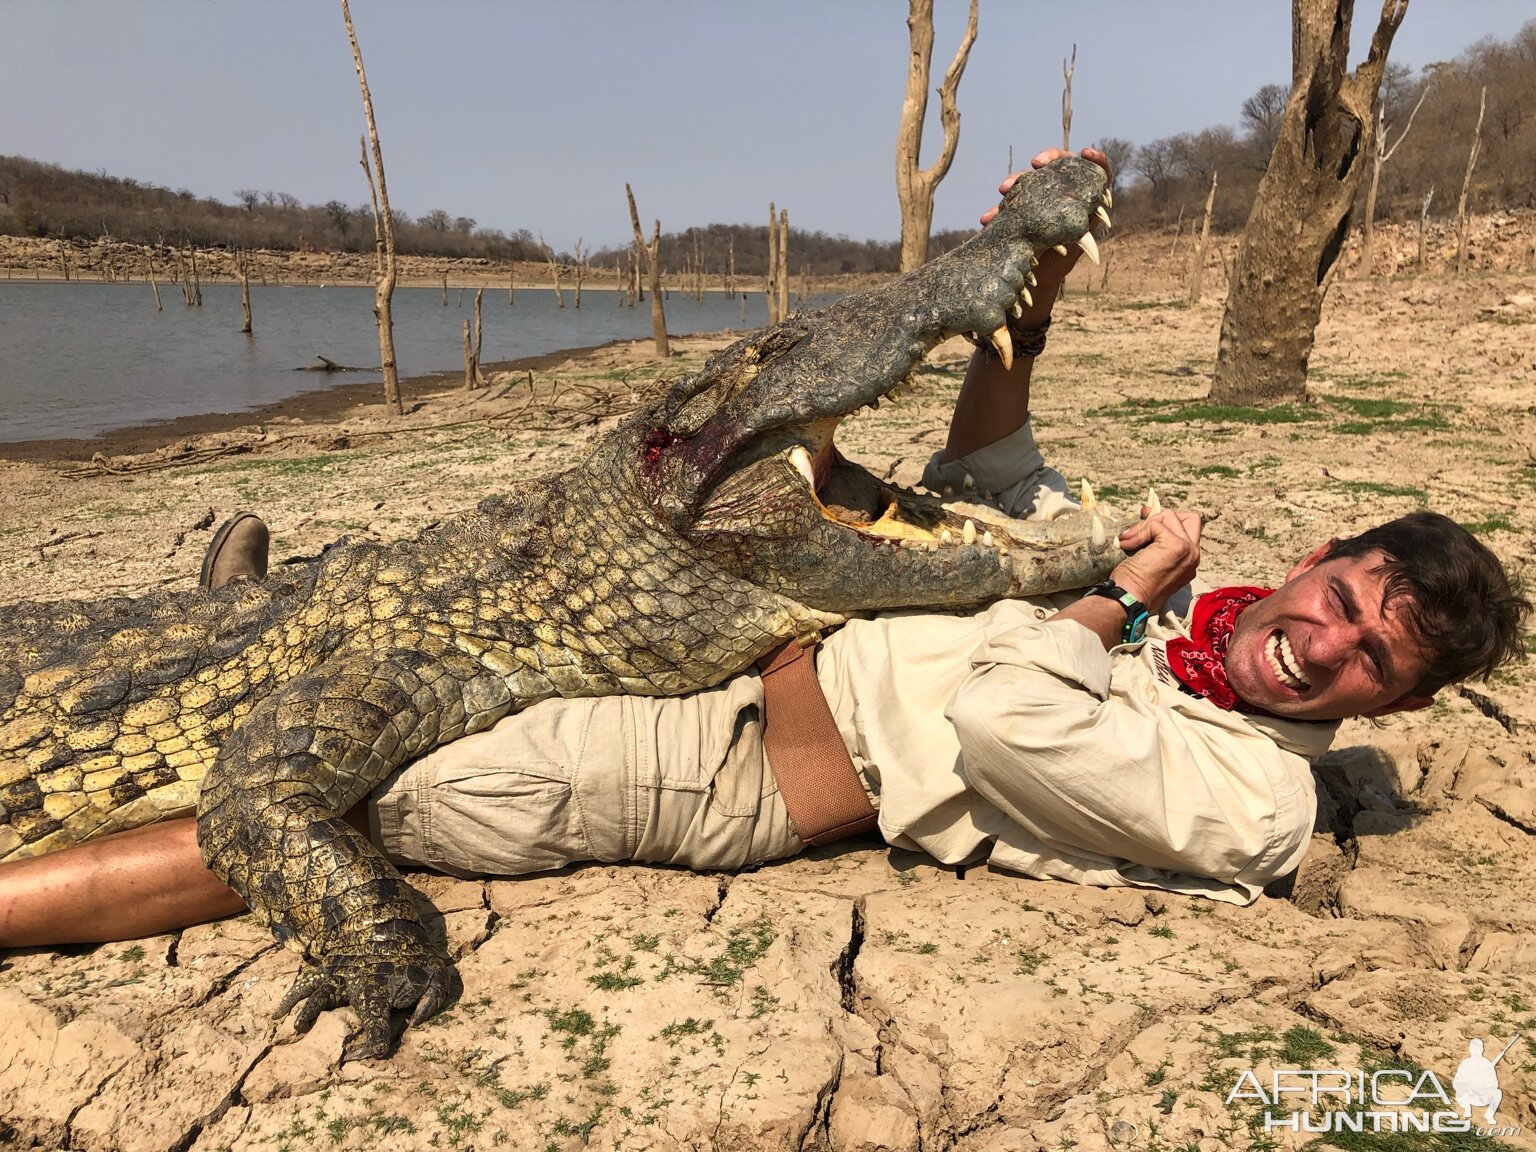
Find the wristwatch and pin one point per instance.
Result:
(1135, 611)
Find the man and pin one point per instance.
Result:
(1110, 738)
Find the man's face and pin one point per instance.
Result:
(1321, 647)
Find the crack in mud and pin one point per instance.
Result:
(1489, 707)
(1501, 813)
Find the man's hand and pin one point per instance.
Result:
(1053, 266)
(1165, 552)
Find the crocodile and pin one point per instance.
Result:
(697, 536)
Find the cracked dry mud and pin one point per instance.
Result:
(855, 998)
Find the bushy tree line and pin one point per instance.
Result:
(1158, 181)
(38, 199)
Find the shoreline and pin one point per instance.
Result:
(320, 405)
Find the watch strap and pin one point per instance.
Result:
(1136, 614)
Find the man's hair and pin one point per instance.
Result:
(1458, 598)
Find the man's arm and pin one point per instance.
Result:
(994, 401)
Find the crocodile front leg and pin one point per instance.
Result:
(269, 826)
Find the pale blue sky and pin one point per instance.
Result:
(533, 113)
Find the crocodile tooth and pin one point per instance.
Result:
(801, 459)
(1098, 532)
(986, 538)
(1154, 505)
(986, 497)
(930, 546)
(1017, 310)
(1086, 497)
(1089, 246)
(1028, 299)
(1109, 198)
(968, 483)
(1062, 248)
(968, 533)
(874, 405)
(1102, 213)
(946, 537)
(1002, 343)
(1030, 279)
(948, 492)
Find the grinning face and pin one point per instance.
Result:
(1322, 648)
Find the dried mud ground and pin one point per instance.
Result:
(855, 998)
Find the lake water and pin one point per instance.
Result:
(80, 359)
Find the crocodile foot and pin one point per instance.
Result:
(416, 976)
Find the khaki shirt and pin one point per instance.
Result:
(1004, 737)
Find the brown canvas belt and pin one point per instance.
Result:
(821, 788)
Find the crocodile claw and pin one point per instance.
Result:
(424, 982)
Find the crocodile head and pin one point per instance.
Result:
(738, 458)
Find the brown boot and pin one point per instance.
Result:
(238, 552)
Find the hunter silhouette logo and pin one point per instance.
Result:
(1476, 1082)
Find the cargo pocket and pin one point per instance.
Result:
(738, 786)
(504, 819)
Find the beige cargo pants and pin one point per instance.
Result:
(671, 781)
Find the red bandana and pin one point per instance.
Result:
(1199, 662)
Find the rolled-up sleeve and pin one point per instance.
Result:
(1100, 769)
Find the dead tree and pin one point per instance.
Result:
(153, 285)
(773, 265)
(783, 287)
(1423, 221)
(1301, 214)
(1066, 101)
(580, 257)
(469, 360)
(445, 289)
(554, 271)
(1197, 273)
(479, 332)
(511, 285)
(651, 255)
(730, 267)
(914, 185)
(245, 293)
(1466, 186)
(1380, 154)
(383, 234)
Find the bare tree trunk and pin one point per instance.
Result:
(469, 361)
(773, 265)
(479, 333)
(580, 256)
(1423, 221)
(1066, 101)
(383, 233)
(1466, 185)
(197, 280)
(245, 294)
(154, 286)
(1197, 273)
(1380, 154)
(511, 287)
(730, 267)
(783, 263)
(652, 256)
(554, 271)
(1301, 214)
(914, 185)
(637, 262)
